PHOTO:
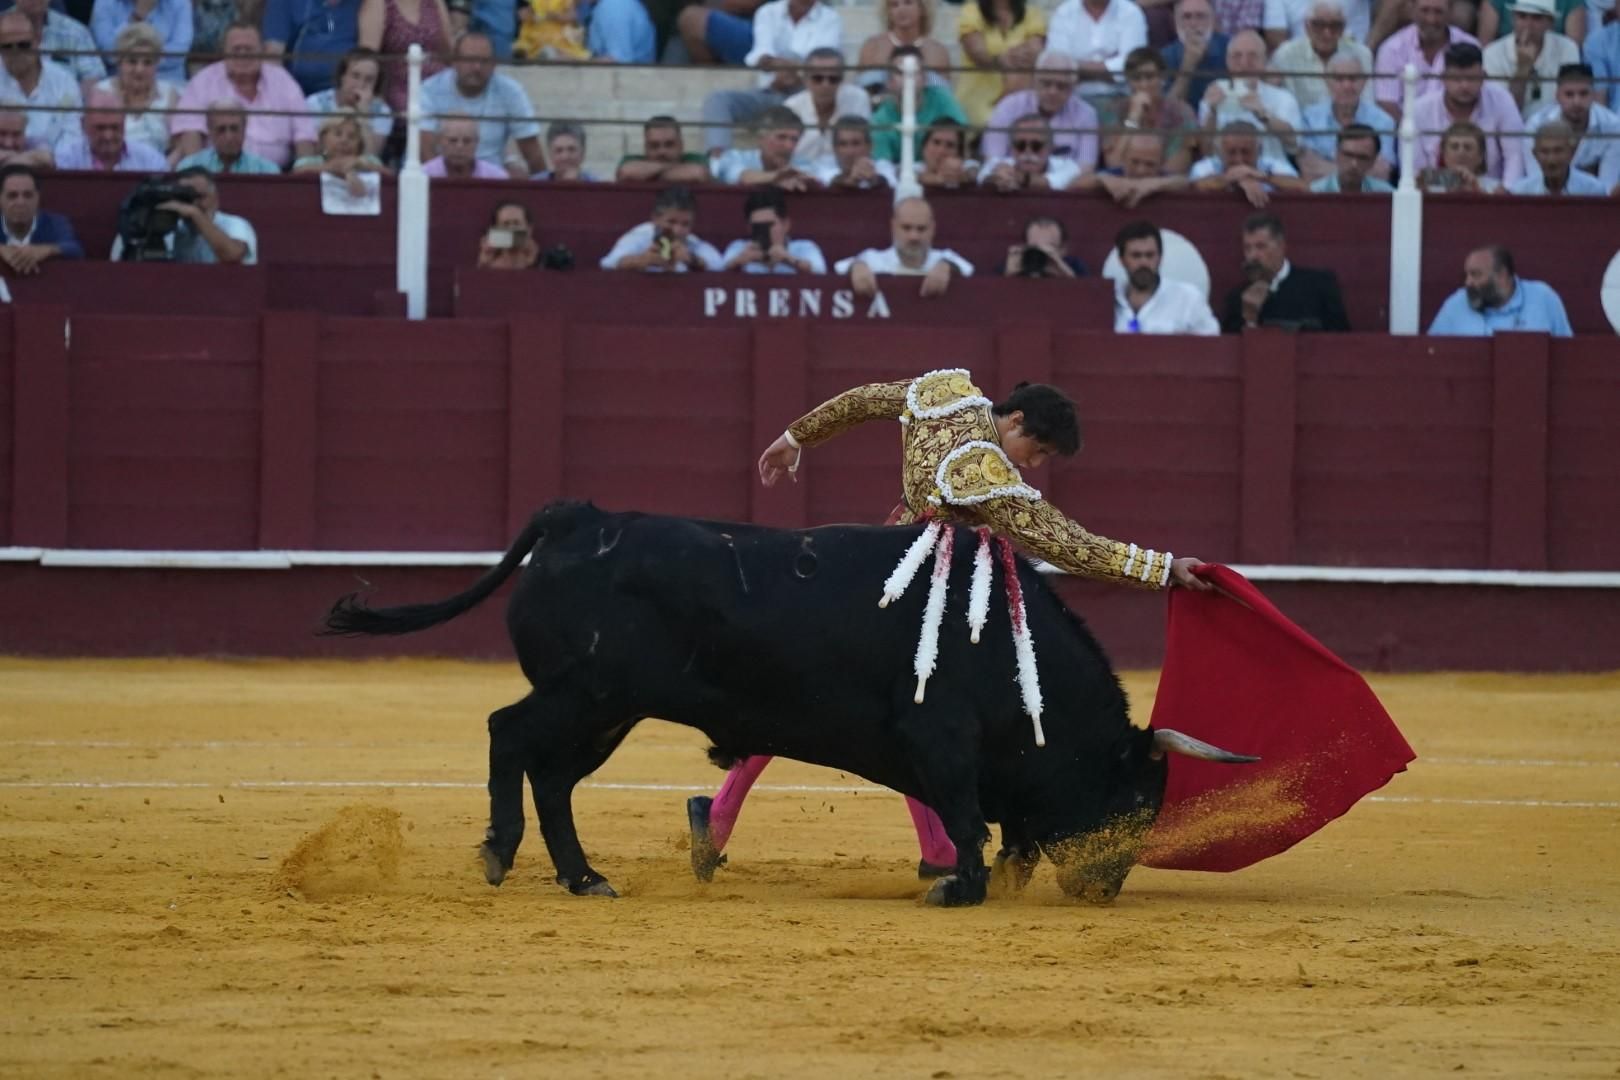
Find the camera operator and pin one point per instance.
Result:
(1044, 252)
(509, 243)
(768, 249)
(203, 232)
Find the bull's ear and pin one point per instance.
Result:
(1170, 741)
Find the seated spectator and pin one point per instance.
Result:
(473, 88)
(1146, 303)
(666, 244)
(1289, 20)
(1494, 297)
(550, 30)
(1423, 44)
(1031, 166)
(227, 138)
(565, 147)
(391, 27)
(1345, 104)
(770, 249)
(343, 154)
(135, 87)
(933, 104)
(1044, 252)
(32, 236)
(1280, 293)
(1140, 174)
(205, 234)
(170, 18)
(66, 41)
(103, 147)
(16, 148)
(279, 127)
(508, 243)
(1234, 16)
(783, 34)
(1073, 121)
(1461, 163)
(1596, 126)
(315, 32)
(1198, 55)
(1554, 153)
(38, 84)
(1529, 59)
(458, 153)
(1100, 40)
(1602, 51)
(825, 99)
(663, 156)
(905, 22)
(619, 30)
(944, 162)
(1001, 40)
(1305, 59)
(913, 254)
(852, 164)
(1465, 96)
(771, 162)
(1241, 167)
(1355, 158)
(1568, 18)
(1147, 109)
(1245, 96)
(357, 88)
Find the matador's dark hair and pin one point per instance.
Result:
(1049, 415)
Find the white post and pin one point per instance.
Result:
(1406, 221)
(411, 254)
(908, 187)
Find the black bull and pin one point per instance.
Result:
(771, 642)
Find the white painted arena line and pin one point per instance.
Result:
(813, 789)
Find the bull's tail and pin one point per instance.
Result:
(350, 616)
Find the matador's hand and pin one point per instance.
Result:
(780, 457)
(1181, 573)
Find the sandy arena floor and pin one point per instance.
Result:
(258, 869)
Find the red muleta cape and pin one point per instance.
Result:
(1239, 674)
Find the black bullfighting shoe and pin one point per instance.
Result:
(705, 859)
(927, 871)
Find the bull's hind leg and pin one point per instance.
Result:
(575, 747)
(509, 734)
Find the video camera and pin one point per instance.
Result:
(145, 228)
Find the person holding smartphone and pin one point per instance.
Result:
(509, 242)
(769, 249)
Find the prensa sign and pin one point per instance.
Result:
(795, 303)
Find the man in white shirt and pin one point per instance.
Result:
(1304, 60)
(1285, 20)
(1242, 167)
(665, 244)
(769, 248)
(30, 80)
(825, 99)
(1530, 58)
(472, 87)
(205, 234)
(1099, 36)
(771, 162)
(1574, 106)
(912, 254)
(852, 164)
(1144, 302)
(1244, 96)
(785, 33)
(1032, 167)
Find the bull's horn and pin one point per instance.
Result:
(1168, 740)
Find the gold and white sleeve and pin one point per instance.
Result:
(874, 401)
(1046, 533)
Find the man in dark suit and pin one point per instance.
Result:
(28, 235)
(1279, 293)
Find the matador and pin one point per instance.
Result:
(961, 457)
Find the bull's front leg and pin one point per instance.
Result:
(949, 779)
(1016, 861)
(508, 753)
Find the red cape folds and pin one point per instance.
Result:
(1238, 674)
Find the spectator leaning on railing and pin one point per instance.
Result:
(472, 87)
(279, 127)
(565, 147)
(663, 156)
(226, 151)
(1148, 110)
(205, 233)
(1529, 59)
(343, 154)
(67, 41)
(1303, 61)
(16, 148)
(170, 18)
(1494, 297)
(665, 244)
(47, 89)
(1240, 166)
(103, 147)
(1140, 174)
(1073, 121)
(1344, 105)
(1030, 166)
(1596, 126)
(1146, 302)
(770, 248)
(1354, 159)
(912, 254)
(852, 164)
(32, 236)
(148, 100)
(771, 162)
(357, 88)
(1554, 151)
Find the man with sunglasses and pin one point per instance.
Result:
(824, 100)
(1303, 61)
(65, 40)
(38, 84)
(1073, 122)
(1031, 167)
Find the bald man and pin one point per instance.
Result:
(1246, 96)
(912, 254)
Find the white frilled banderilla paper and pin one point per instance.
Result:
(939, 540)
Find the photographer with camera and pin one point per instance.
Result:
(31, 235)
(179, 220)
(509, 242)
(1044, 252)
(666, 244)
(768, 249)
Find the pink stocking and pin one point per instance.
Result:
(931, 839)
(728, 800)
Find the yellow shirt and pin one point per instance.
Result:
(952, 464)
(978, 91)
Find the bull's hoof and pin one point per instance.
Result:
(494, 869)
(705, 858)
(589, 886)
(1011, 872)
(952, 891)
(927, 871)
